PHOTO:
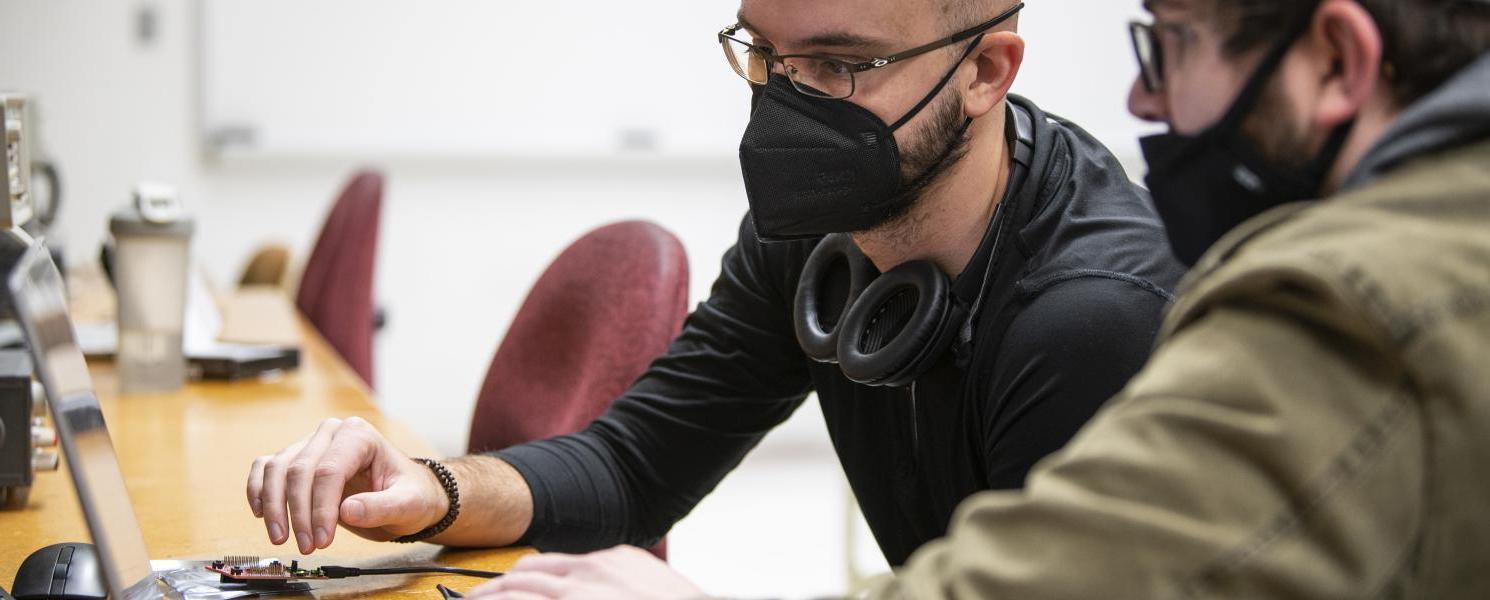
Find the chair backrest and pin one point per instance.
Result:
(598, 316)
(336, 289)
(268, 266)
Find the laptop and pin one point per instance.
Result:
(40, 305)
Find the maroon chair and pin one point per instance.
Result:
(605, 308)
(336, 289)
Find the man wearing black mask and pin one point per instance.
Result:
(962, 278)
(1315, 418)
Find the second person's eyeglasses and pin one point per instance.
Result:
(1150, 56)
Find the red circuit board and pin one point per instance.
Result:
(250, 569)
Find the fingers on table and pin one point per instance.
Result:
(352, 449)
(522, 585)
(299, 489)
(271, 491)
(301, 472)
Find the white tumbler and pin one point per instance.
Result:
(151, 255)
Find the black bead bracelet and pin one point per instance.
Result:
(452, 492)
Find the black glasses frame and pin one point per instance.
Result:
(726, 36)
(1150, 62)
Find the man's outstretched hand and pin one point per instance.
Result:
(348, 473)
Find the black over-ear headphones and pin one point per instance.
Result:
(880, 329)
(886, 330)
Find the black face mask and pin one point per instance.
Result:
(1206, 184)
(814, 166)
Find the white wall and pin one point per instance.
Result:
(463, 239)
(464, 77)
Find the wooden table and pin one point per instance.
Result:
(185, 458)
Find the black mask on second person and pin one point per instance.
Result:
(1206, 184)
(815, 166)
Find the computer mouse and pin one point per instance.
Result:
(60, 572)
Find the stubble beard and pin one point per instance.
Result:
(937, 145)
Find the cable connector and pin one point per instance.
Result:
(335, 572)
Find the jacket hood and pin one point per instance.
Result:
(1456, 113)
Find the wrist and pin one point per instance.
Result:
(439, 503)
(446, 502)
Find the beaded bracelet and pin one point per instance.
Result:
(452, 492)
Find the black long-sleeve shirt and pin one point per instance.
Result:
(1073, 299)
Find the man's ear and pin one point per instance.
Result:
(995, 64)
(1346, 58)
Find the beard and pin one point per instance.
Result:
(940, 142)
(1280, 140)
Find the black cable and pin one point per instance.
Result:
(337, 572)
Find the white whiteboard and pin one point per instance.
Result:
(574, 78)
(468, 77)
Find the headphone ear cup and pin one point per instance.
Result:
(835, 275)
(898, 327)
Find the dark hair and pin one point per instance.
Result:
(1425, 42)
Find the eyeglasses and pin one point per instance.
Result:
(1150, 56)
(820, 75)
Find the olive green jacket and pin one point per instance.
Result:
(1314, 423)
